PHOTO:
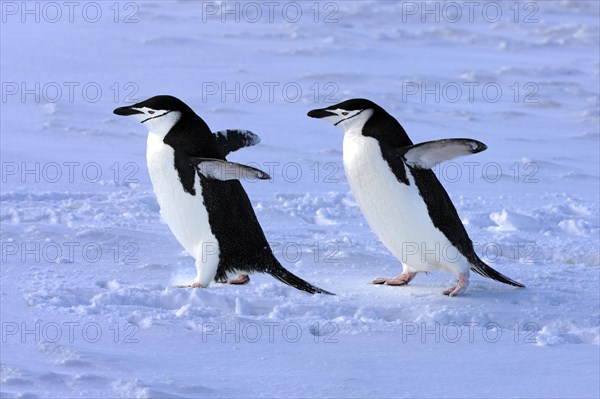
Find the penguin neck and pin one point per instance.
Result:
(192, 136)
(385, 128)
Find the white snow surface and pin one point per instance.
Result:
(87, 307)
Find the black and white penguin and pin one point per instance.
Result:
(200, 195)
(400, 196)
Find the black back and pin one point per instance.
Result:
(242, 243)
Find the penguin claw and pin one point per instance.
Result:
(402, 279)
(396, 282)
(193, 285)
(240, 280)
(196, 285)
(380, 280)
(463, 283)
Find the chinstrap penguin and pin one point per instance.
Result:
(400, 196)
(200, 195)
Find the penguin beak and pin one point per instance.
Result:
(126, 111)
(320, 113)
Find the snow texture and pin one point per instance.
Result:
(87, 307)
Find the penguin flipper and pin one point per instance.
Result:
(430, 153)
(481, 268)
(219, 169)
(231, 140)
(292, 280)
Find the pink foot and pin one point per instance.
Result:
(193, 285)
(197, 285)
(402, 279)
(463, 283)
(240, 280)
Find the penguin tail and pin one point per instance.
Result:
(292, 280)
(481, 268)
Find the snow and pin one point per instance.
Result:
(87, 307)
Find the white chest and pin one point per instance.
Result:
(395, 211)
(185, 214)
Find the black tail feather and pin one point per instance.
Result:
(288, 278)
(481, 268)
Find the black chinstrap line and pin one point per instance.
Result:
(158, 116)
(350, 117)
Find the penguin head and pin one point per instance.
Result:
(347, 115)
(158, 113)
(364, 117)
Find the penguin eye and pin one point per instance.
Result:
(344, 113)
(150, 112)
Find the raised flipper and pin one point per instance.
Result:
(430, 153)
(231, 140)
(223, 170)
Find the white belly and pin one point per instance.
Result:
(396, 212)
(185, 214)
